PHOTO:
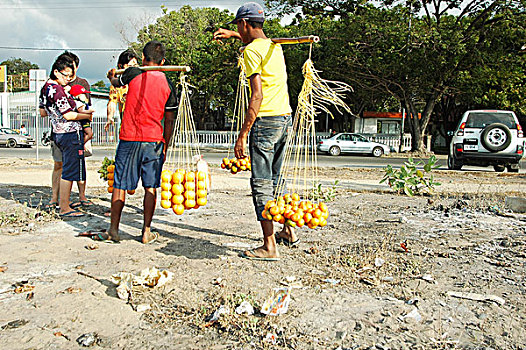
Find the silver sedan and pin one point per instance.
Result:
(11, 138)
(351, 143)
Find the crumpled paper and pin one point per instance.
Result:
(150, 277)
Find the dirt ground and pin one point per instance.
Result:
(385, 273)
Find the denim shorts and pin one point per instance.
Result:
(71, 145)
(267, 141)
(134, 160)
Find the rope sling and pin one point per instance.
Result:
(300, 205)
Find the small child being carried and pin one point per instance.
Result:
(78, 92)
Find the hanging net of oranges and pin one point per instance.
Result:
(301, 205)
(234, 164)
(182, 186)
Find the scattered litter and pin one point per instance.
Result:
(270, 338)
(414, 314)
(218, 282)
(23, 289)
(143, 307)
(428, 278)
(14, 324)
(88, 339)
(92, 246)
(331, 281)
(30, 296)
(277, 303)
(290, 281)
(404, 247)
(412, 301)
(70, 290)
(367, 281)
(378, 262)
(313, 251)
(221, 311)
(60, 334)
(364, 269)
(388, 279)
(245, 308)
(3, 268)
(477, 297)
(150, 277)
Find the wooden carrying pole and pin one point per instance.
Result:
(299, 40)
(159, 68)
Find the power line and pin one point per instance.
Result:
(60, 49)
(105, 5)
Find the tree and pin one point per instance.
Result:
(187, 36)
(99, 84)
(18, 66)
(416, 50)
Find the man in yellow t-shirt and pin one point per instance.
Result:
(117, 98)
(268, 120)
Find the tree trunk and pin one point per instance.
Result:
(419, 123)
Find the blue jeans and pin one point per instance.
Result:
(267, 140)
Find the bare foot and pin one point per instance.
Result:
(114, 236)
(149, 236)
(288, 233)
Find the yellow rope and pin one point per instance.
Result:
(241, 104)
(300, 161)
(184, 144)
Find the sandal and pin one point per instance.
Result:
(75, 205)
(72, 214)
(51, 206)
(86, 203)
(102, 236)
(251, 255)
(286, 242)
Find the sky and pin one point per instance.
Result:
(75, 24)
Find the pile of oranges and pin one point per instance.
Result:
(236, 165)
(183, 189)
(291, 211)
(111, 176)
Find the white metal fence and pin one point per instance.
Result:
(21, 108)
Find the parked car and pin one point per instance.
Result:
(487, 137)
(351, 143)
(10, 138)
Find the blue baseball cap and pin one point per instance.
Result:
(251, 11)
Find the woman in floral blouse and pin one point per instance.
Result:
(65, 121)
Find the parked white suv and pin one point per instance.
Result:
(487, 137)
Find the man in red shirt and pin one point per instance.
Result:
(142, 140)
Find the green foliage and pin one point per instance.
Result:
(188, 37)
(99, 84)
(325, 195)
(409, 179)
(18, 66)
(103, 170)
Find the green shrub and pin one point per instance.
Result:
(411, 180)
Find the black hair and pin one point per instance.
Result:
(154, 52)
(70, 55)
(60, 64)
(125, 57)
(255, 24)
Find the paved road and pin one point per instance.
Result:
(215, 156)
